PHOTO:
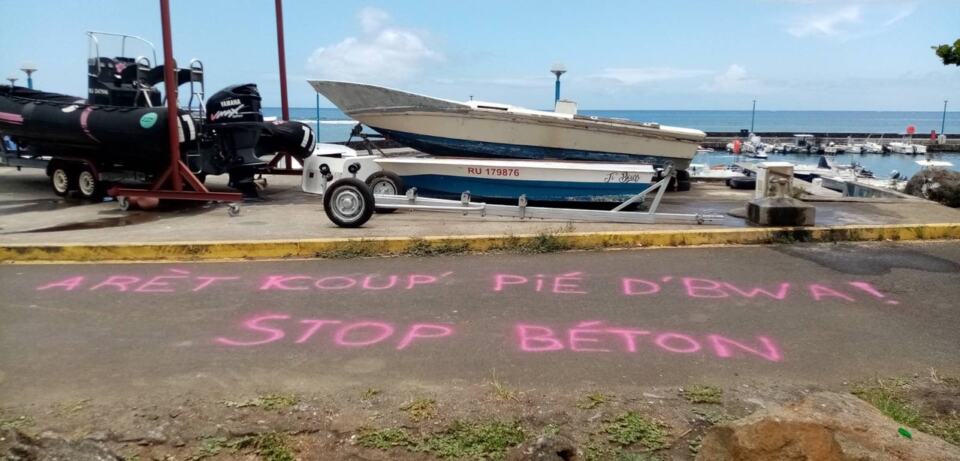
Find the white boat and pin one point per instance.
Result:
(490, 130)
(906, 147)
(871, 148)
(487, 179)
(704, 171)
(850, 147)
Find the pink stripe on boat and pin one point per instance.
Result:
(11, 118)
(84, 116)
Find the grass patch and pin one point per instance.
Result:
(271, 446)
(633, 428)
(890, 397)
(369, 394)
(544, 242)
(502, 391)
(351, 249)
(385, 438)
(591, 401)
(421, 247)
(15, 423)
(421, 409)
(267, 402)
(209, 447)
(703, 394)
(887, 396)
(489, 439)
(713, 418)
(483, 440)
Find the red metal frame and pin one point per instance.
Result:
(170, 184)
(288, 168)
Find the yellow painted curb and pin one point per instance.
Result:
(531, 243)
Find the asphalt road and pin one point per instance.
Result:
(823, 314)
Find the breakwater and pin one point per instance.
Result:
(718, 139)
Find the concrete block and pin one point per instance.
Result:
(780, 211)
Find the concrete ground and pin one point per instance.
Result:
(178, 359)
(804, 313)
(30, 213)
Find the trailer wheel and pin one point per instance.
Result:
(61, 179)
(90, 187)
(385, 183)
(348, 202)
(124, 203)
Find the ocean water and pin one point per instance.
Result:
(335, 126)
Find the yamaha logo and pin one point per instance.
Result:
(229, 102)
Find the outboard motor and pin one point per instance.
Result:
(233, 114)
(294, 138)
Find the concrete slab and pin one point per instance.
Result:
(31, 214)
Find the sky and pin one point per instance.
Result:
(620, 54)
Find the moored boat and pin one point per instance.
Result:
(490, 130)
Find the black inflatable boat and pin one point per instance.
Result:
(121, 129)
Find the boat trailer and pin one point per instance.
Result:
(349, 202)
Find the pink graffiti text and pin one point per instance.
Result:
(171, 281)
(363, 282)
(272, 328)
(595, 336)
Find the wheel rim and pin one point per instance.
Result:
(61, 182)
(87, 183)
(384, 187)
(348, 204)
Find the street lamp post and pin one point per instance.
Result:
(558, 70)
(29, 69)
(753, 115)
(943, 121)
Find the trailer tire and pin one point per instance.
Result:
(683, 186)
(385, 183)
(348, 202)
(89, 185)
(61, 179)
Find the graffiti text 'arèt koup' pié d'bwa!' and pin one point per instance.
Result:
(564, 284)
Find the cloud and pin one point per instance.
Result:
(905, 12)
(734, 80)
(382, 53)
(852, 21)
(640, 75)
(829, 24)
(515, 82)
(372, 19)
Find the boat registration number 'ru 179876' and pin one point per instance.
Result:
(477, 171)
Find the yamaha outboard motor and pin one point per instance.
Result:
(294, 138)
(233, 114)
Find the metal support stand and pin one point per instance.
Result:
(288, 161)
(170, 185)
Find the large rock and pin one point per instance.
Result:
(937, 184)
(823, 427)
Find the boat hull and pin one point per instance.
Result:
(508, 180)
(448, 128)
